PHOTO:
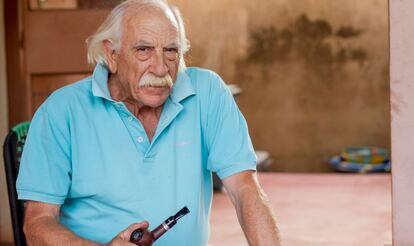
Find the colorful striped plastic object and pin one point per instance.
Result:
(337, 163)
(367, 155)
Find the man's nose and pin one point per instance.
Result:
(158, 66)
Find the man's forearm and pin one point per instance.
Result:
(257, 219)
(253, 209)
(44, 231)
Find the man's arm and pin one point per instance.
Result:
(42, 227)
(253, 208)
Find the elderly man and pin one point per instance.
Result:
(138, 140)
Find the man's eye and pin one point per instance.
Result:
(175, 50)
(171, 53)
(144, 52)
(143, 49)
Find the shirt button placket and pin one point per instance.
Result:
(140, 139)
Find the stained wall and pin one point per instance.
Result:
(314, 73)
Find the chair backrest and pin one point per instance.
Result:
(12, 151)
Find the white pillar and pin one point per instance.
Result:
(402, 119)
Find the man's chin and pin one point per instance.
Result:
(154, 103)
(155, 90)
(153, 97)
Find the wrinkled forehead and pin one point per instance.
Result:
(150, 14)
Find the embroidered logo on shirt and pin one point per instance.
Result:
(183, 143)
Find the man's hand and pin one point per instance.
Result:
(123, 237)
(253, 209)
(42, 228)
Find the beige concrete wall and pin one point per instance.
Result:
(5, 224)
(402, 123)
(299, 107)
(303, 100)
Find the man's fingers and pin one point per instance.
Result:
(122, 239)
(120, 242)
(125, 234)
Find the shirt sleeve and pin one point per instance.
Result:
(230, 149)
(45, 169)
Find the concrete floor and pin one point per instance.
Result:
(316, 209)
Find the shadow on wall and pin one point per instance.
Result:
(311, 90)
(314, 42)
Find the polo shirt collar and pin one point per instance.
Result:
(181, 90)
(182, 87)
(100, 82)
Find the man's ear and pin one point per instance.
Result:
(111, 56)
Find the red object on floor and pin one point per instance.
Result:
(316, 210)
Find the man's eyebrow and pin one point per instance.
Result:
(172, 45)
(142, 43)
(149, 44)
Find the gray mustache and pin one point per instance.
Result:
(152, 80)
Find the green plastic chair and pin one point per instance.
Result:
(12, 152)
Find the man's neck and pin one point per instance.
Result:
(116, 90)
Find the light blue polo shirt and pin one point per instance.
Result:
(88, 153)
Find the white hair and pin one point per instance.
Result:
(111, 30)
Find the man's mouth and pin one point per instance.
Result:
(154, 86)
